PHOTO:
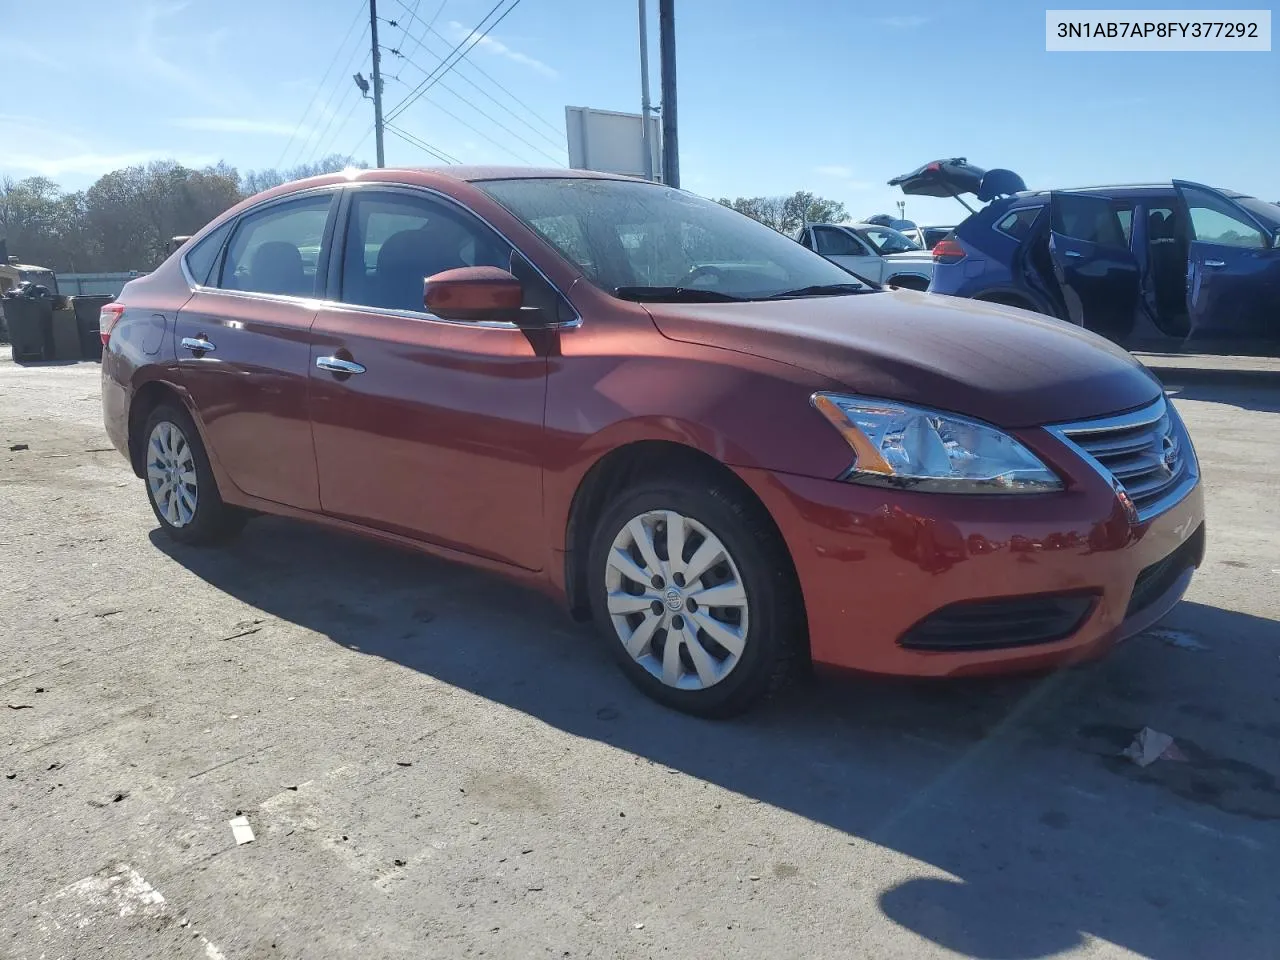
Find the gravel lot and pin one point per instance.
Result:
(437, 764)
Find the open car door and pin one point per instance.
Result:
(1233, 267)
(1097, 272)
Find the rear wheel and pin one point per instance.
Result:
(180, 483)
(692, 589)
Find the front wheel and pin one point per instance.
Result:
(180, 484)
(693, 590)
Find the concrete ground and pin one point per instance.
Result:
(437, 764)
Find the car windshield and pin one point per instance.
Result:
(646, 241)
(888, 240)
(1268, 213)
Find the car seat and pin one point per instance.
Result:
(276, 267)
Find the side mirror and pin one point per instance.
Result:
(474, 293)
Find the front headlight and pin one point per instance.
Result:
(896, 445)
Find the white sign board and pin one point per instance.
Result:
(610, 142)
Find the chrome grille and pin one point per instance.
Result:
(1147, 453)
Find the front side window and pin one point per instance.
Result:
(277, 250)
(1091, 219)
(887, 240)
(1213, 220)
(629, 237)
(837, 243)
(396, 240)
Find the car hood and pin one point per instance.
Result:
(999, 364)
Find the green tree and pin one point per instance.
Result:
(789, 213)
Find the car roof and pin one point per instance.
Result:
(472, 174)
(1120, 190)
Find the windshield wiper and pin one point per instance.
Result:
(821, 290)
(674, 295)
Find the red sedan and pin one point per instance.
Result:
(733, 454)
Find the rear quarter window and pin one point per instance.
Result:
(202, 259)
(1018, 223)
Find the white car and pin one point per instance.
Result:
(875, 253)
(926, 237)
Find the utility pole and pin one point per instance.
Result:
(645, 144)
(667, 47)
(377, 82)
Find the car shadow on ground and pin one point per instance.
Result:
(1265, 399)
(1012, 789)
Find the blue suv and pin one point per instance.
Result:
(1169, 262)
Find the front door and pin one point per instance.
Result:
(243, 353)
(1233, 268)
(849, 251)
(428, 428)
(1095, 269)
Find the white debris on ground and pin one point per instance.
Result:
(1152, 745)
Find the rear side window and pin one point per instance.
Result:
(1017, 224)
(277, 250)
(396, 240)
(1091, 219)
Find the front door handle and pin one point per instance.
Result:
(338, 365)
(198, 345)
(1215, 263)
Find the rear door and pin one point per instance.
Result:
(845, 248)
(1092, 263)
(1233, 268)
(242, 345)
(424, 427)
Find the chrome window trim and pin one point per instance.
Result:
(322, 303)
(1142, 417)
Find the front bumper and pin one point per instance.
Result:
(873, 564)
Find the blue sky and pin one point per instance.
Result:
(833, 97)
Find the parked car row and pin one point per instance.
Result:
(729, 451)
(1178, 260)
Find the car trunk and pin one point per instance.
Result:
(956, 178)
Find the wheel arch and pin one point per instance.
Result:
(908, 281)
(628, 464)
(146, 398)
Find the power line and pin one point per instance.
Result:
(322, 146)
(421, 144)
(554, 141)
(430, 28)
(413, 15)
(315, 97)
(476, 130)
(314, 139)
(532, 146)
(448, 63)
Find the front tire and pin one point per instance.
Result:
(180, 485)
(692, 589)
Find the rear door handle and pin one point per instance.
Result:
(338, 365)
(198, 345)
(1215, 263)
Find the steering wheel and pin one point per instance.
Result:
(697, 273)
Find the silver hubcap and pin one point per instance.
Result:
(171, 474)
(676, 599)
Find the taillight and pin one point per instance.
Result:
(108, 316)
(948, 251)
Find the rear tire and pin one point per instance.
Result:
(180, 484)
(730, 654)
